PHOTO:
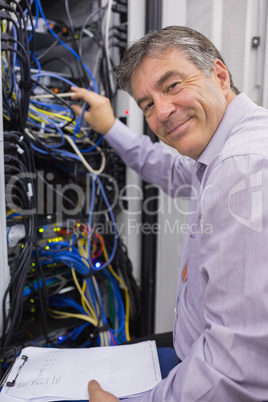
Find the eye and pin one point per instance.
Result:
(172, 86)
(148, 107)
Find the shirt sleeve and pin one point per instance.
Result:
(229, 360)
(156, 163)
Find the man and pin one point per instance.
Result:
(182, 85)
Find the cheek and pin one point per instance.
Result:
(153, 125)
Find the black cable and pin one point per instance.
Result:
(64, 61)
(43, 296)
(24, 87)
(48, 49)
(100, 11)
(46, 89)
(81, 71)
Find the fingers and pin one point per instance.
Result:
(85, 94)
(97, 394)
(93, 386)
(77, 110)
(100, 115)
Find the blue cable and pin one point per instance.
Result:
(66, 301)
(93, 146)
(49, 130)
(59, 77)
(52, 106)
(65, 154)
(73, 335)
(37, 63)
(119, 307)
(41, 151)
(95, 88)
(38, 5)
(36, 21)
(90, 223)
(74, 260)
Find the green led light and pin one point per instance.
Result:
(41, 230)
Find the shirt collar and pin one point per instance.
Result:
(238, 108)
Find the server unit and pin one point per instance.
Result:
(67, 279)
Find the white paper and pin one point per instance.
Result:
(62, 374)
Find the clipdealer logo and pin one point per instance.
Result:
(253, 188)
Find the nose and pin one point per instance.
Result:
(164, 108)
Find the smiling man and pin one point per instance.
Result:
(181, 105)
(182, 85)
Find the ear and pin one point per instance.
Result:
(222, 75)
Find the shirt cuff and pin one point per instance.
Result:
(120, 137)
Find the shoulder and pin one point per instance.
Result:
(249, 136)
(244, 152)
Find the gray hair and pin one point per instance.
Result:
(196, 47)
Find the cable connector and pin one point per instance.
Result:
(121, 28)
(4, 15)
(120, 36)
(7, 6)
(5, 36)
(4, 46)
(8, 146)
(119, 44)
(119, 8)
(124, 2)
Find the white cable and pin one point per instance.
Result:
(48, 96)
(78, 153)
(87, 166)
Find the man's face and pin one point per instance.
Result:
(182, 106)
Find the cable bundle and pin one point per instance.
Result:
(21, 227)
(16, 64)
(72, 287)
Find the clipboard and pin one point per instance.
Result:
(49, 374)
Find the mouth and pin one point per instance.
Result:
(178, 127)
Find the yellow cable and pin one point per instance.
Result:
(105, 338)
(125, 289)
(98, 294)
(85, 302)
(33, 116)
(57, 115)
(84, 299)
(62, 315)
(6, 116)
(12, 211)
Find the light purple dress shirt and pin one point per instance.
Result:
(221, 323)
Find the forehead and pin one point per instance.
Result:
(154, 70)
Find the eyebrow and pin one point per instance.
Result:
(169, 74)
